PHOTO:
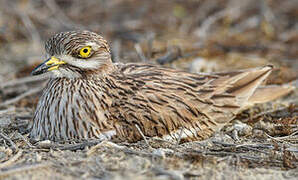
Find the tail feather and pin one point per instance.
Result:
(236, 89)
(245, 87)
(268, 93)
(241, 84)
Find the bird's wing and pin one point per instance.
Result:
(174, 104)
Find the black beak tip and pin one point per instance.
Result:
(40, 69)
(34, 73)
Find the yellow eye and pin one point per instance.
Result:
(85, 52)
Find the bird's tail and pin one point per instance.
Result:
(268, 93)
(241, 84)
(231, 93)
(245, 87)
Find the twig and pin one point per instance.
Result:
(74, 147)
(26, 140)
(222, 143)
(2, 112)
(265, 146)
(139, 130)
(150, 39)
(35, 36)
(253, 158)
(252, 147)
(116, 50)
(120, 148)
(180, 136)
(282, 139)
(267, 12)
(71, 147)
(23, 168)
(285, 137)
(264, 113)
(271, 137)
(174, 53)
(25, 80)
(140, 52)
(203, 9)
(204, 28)
(172, 174)
(102, 144)
(6, 138)
(21, 96)
(62, 17)
(139, 153)
(11, 160)
(268, 146)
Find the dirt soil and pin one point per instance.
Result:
(193, 35)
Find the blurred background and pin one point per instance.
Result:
(194, 35)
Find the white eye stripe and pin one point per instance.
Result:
(90, 64)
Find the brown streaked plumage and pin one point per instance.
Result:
(90, 97)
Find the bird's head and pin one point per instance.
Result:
(72, 54)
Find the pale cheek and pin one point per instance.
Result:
(62, 72)
(56, 73)
(87, 64)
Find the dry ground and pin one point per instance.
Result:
(194, 35)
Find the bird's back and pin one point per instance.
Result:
(174, 104)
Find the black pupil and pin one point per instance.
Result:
(85, 50)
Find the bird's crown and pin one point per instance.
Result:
(70, 42)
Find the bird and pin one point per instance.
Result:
(89, 97)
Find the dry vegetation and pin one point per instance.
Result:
(194, 35)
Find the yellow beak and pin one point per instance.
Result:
(50, 64)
